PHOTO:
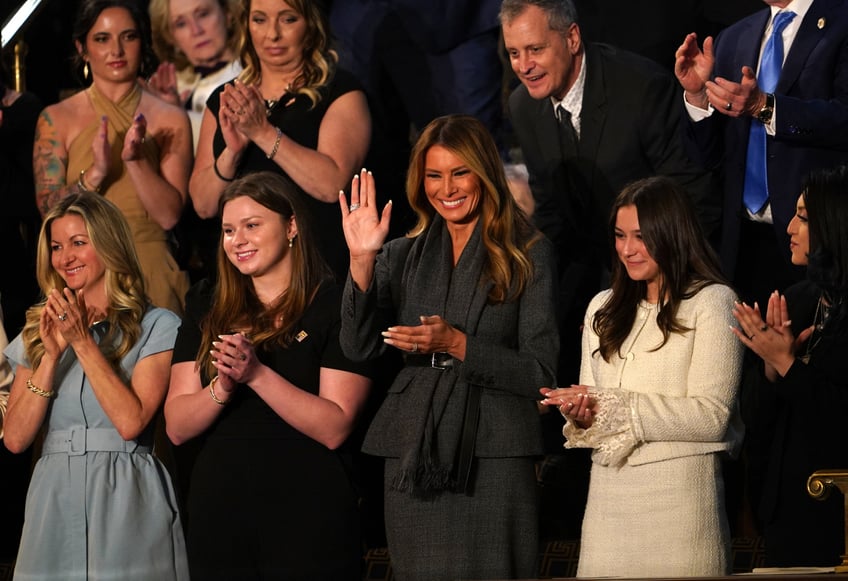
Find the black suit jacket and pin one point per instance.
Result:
(811, 109)
(630, 129)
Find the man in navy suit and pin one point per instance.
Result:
(805, 119)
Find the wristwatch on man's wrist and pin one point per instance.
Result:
(765, 114)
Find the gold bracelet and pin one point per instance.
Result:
(83, 187)
(212, 392)
(276, 144)
(38, 391)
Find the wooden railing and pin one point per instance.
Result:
(819, 486)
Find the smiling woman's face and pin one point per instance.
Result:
(633, 253)
(73, 256)
(451, 187)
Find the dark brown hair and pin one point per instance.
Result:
(675, 241)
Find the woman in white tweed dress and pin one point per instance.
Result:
(657, 396)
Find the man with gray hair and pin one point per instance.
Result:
(590, 118)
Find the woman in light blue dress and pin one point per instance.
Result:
(92, 367)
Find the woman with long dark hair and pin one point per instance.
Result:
(657, 396)
(796, 420)
(117, 139)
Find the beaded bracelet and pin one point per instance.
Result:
(218, 172)
(212, 392)
(38, 391)
(276, 144)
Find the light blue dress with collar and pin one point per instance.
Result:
(99, 507)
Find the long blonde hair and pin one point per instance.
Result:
(319, 60)
(112, 240)
(507, 233)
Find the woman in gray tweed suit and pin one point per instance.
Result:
(467, 296)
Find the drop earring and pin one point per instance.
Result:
(291, 241)
(85, 71)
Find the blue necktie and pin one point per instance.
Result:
(755, 193)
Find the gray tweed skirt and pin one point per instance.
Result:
(490, 534)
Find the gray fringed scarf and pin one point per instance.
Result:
(432, 285)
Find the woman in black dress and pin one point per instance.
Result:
(291, 111)
(259, 376)
(796, 423)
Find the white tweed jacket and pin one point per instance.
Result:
(676, 401)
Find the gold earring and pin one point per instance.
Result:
(85, 71)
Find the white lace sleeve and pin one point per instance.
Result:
(611, 434)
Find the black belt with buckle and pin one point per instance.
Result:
(437, 360)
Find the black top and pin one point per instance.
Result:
(797, 427)
(247, 415)
(264, 500)
(301, 122)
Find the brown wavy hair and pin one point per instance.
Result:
(86, 17)
(235, 305)
(319, 59)
(507, 233)
(112, 240)
(675, 240)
